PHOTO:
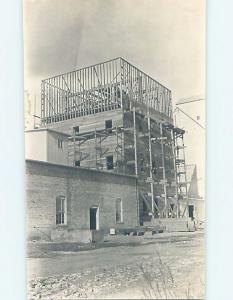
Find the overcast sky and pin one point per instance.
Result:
(164, 38)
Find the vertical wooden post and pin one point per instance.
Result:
(175, 174)
(164, 173)
(74, 142)
(185, 174)
(151, 162)
(42, 102)
(117, 147)
(96, 158)
(121, 83)
(135, 141)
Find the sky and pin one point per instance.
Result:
(163, 38)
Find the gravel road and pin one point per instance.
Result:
(163, 266)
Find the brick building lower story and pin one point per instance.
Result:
(64, 202)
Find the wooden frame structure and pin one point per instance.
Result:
(75, 152)
(181, 170)
(144, 143)
(163, 178)
(101, 87)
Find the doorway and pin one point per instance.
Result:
(94, 218)
(191, 210)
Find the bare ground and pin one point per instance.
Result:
(163, 266)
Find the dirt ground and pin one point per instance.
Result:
(162, 266)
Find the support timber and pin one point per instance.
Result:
(101, 87)
(143, 141)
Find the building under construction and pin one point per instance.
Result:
(113, 117)
(120, 119)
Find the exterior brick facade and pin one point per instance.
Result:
(83, 189)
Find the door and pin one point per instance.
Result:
(93, 215)
(191, 209)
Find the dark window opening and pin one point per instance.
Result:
(76, 130)
(191, 210)
(108, 124)
(77, 163)
(140, 127)
(109, 162)
(142, 165)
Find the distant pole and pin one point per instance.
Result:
(34, 114)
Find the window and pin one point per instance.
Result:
(109, 162)
(59, 143)
(77, 163)
(142, 164)
(76, 130)
(60, 210)
(119, 211)
(140, 127)
(108, 124)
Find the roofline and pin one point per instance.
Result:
(45, 163)
(47, 129)
(103, 62)
(79, 69)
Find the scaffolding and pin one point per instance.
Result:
(160, 174)
(172, 161)
(155, 155)
(94, 156)
(164, 167)
(181, 170)
(102, 87)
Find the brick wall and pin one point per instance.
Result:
(83, 189)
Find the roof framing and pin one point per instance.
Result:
(101, 87)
